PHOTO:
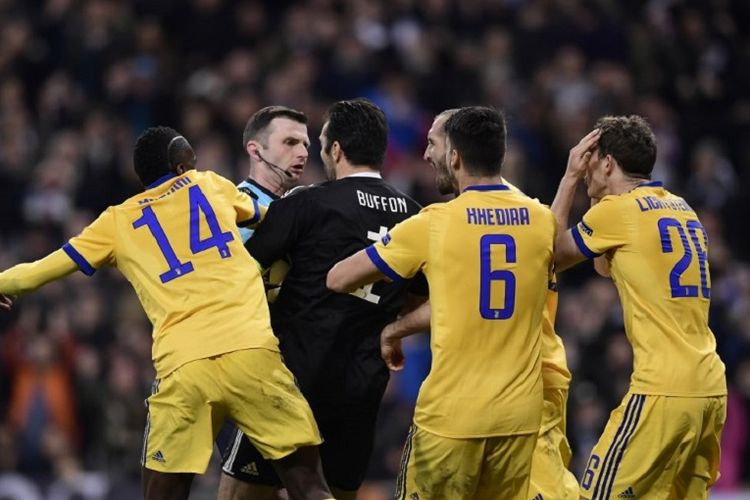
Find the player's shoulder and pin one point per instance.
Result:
(304, 190)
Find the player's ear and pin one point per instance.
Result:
(609, 165)
(336, 151)
(253, 150)
(453, 159)
(181, 155)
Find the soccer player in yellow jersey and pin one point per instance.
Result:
(214, 352)
(662, 442)
(550, 477)
(487, 256)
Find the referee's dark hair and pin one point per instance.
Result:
(258, 123)
(158, 151)
(478, 134)
(361, 130)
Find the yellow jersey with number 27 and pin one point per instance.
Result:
(658, 254)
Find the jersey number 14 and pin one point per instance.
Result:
(219, 240)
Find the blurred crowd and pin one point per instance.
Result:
(80, 79)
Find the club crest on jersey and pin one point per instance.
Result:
(583, 227)
(386, 239)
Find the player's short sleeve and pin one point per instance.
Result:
(602, 228)
(95, 246)
(249, 211)
(402, 252)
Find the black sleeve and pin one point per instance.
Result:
(278, 232)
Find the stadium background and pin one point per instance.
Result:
(79, 79)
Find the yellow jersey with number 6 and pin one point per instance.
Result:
(487, 256)
(178, 244)
(658, 253)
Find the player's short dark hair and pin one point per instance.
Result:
(150, 155)
(361, 129)
(478, 134)
(630, 141)
(258, 123)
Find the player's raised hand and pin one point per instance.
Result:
(578, 158)
(6, 302)
(390, 349)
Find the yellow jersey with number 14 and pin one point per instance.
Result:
(658, 253)
(487, 256)
(179, 245)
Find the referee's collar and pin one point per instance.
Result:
(371, 175)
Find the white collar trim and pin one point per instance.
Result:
(371, 175)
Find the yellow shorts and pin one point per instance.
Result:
(435, 467)
(252, 387)
(550, 477)
(657, 447)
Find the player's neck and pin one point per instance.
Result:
(623, 184)
(345, 169)
(465, 181)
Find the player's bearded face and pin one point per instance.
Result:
(435, 156)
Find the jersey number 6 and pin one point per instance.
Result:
(198, 204)
(488, 275)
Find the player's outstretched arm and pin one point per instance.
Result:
(352, 273)
(416, 321)
(30, 276)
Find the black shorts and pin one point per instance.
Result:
(345, 453)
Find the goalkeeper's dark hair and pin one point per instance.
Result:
(630, 141)
(361, 130)
(257, 125)
(158, 151)
(478, 134)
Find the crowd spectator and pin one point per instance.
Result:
(80, 79)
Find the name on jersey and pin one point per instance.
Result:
(647, 203)
(178, 184)
(498, 216)
(385, 203)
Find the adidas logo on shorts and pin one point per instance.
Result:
(159, 457)
(250, 469)
(629, 493)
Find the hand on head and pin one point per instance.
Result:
(580, 154)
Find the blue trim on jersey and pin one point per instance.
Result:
(161, 180)
(79, 259)
(651, 184)
(255, 217)
(382, 265)
(585, 250)
(487, 187)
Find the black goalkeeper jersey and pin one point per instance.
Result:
(331, 341)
